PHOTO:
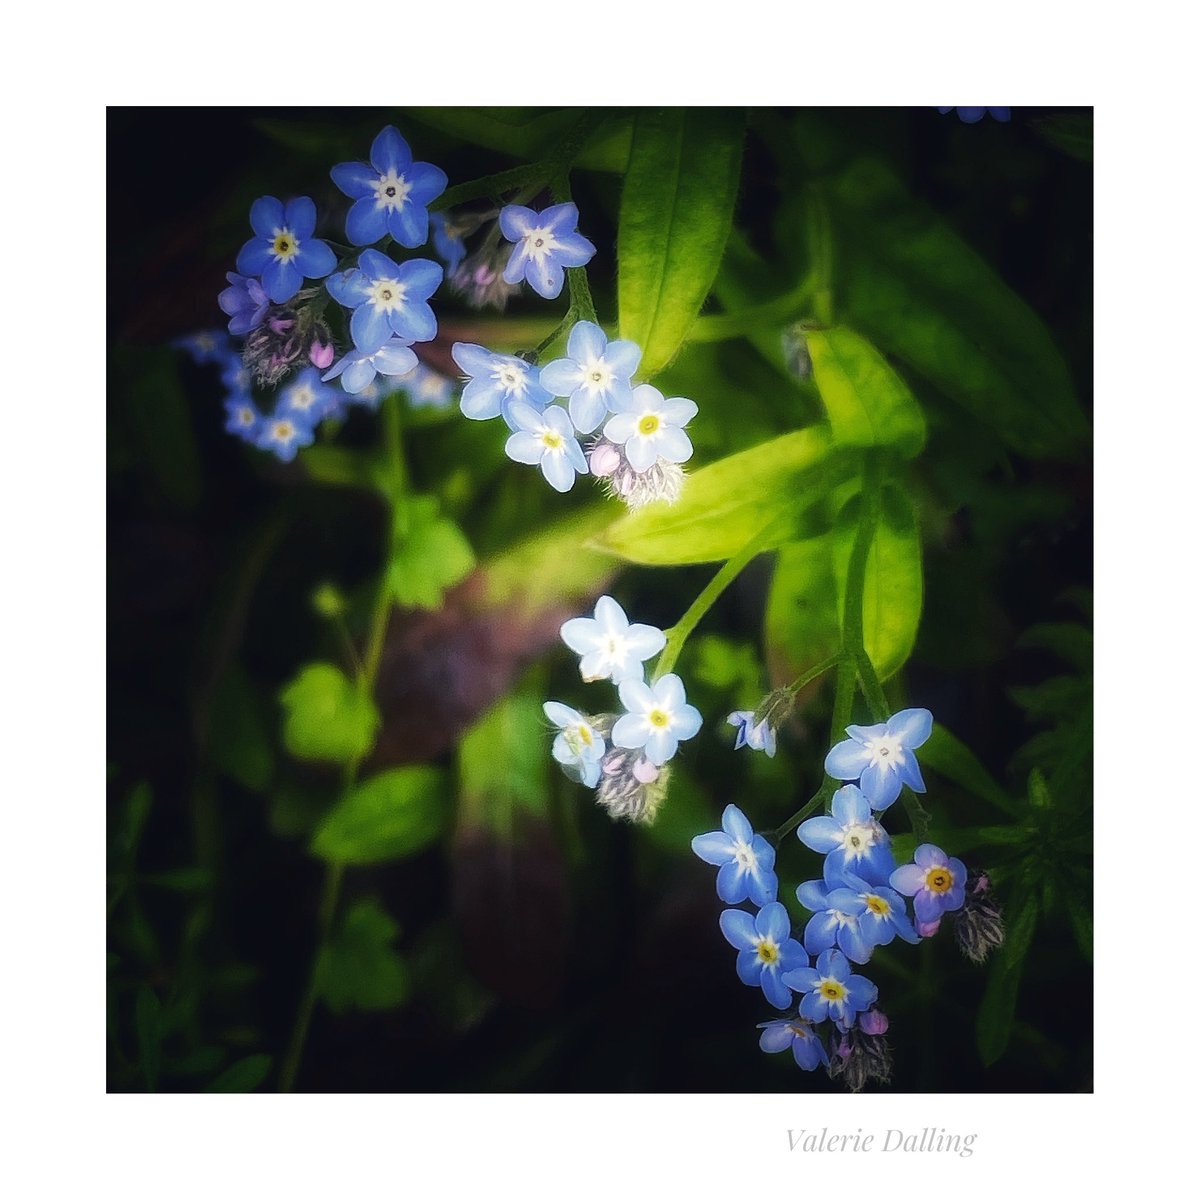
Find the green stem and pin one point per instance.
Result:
(819, 231)
(679, 633)
(788, 307)
(491, 185)
(871, 687)
(541, 347)
(815, 802)
(815, 672)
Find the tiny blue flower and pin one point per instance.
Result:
(391, 195)
(745, 858)
(235, 375)
(578, 748)
(207, 346)
(447, 242)
(495, 383)
(936, 883)
(651, 427)
(308, 400)
(283, 436)
(243, 418)
(609, 646)
(881, 757)
(758, 736)
(830, 990)
(852, 838)
(884, 915)
(283, 251)
(798, 1035)
(836, 920)
(657, 717)
(595, 375)
(388, 299)
(244, 302)
(357, 369)
(547, 440)
(428, 389)
(766, 949)
(970, 115)
(546, 242)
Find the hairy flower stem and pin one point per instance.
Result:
(365, 681)
(815, 672)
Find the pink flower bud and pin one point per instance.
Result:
(320, 354)
(842, 1049)
(928, 928)
(873, 1022)
(644, 771)
(982, 883)
(280, 324)
(604, 459)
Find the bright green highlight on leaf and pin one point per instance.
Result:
(326, 717)
(358, 967)
(391, 815)
(431, 554)
(676, 213)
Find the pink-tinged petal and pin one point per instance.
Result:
(908, 880)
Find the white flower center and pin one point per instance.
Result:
(512, 379)
(391, 190)
(387, 294)
(885, 751)
(744, 856)
(284, 245)
(539, 242)
(597, 375)
(303, 397)
(858, 839)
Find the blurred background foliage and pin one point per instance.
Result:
(887, 281)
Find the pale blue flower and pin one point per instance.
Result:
(358, 368)
(651, 427)
(579, 747)
(595, 375)
(799, 1036)
(657, 718)
(609, 646)
(758, 736)
(766, 949)
(495, 383)
(546, 242)
(881, 757)
(547, 440)
(389, 299)
(746, 860)
(854, 840)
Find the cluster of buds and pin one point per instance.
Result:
(862, 1054)
(662, 480)
(289, 335)
(979, 924)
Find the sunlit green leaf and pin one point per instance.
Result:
(676, 212)
(358, 968)
(245, 1075)
(431, 554)
(801, 621)
(503, 761)
(326, 716)
(868, 403)
(780, 485)
(892, 589)
(391, 815)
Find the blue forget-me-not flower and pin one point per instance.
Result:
(658, 717)
(388, 299)
(881, 757)
(546, 242)
(851, 836)
(546, 439)
(650, 427)
(766, 949)
(495, 382)
(745, 860)
(595, 374)
(578, 748)
(283, 251)
(830, 990)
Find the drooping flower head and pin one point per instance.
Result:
(495, 382)
(657, 718)
(631, 786)
(388, 299)
(979, 924)
(447, 241)
(650, 427)
(546, 439)
(758, 735)
(851, 836)
(830, 990)
(746, 860)
(546, 242)
(595, 374)
(766, 949)
(799, 1036)
(390, 195)
(609, 646)
(579, 747)
(283, 250)
(357, 368)
(936, 882)
(244, 302)
(881, 757)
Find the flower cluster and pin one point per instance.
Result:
(624, 757)
(290, 291)
(643, 440)
(859, 903)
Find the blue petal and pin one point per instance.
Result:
(266, 216)
(421, 276)
(427, 181)
(820, 933)
(366, 222)
(300, 216)
(738, 927)
(624, 358)
(409, 225)
(912, 726)
(515, 220)
(586, 341)
(732, 880)
(749, 967)
(355, 179)
(473, 359)
(358, 375)
(815, 1007)
(414, 321)
(281, 280)
(734, 822)
(862, 992)
(348, 288)
(254, 256)
(853, 944)
(812, 895)
(880, 785)
(481, 400)
(559, 219)
(763, 885)
(546, 279)
(772, 921)
(846, 760)
(821, 834)
(315, 259)
(850, 806)
(574, 250)
(560, 475)
(561, 377)
(713, 848)
(525, 447)
(909, 771)
(369, 327)
(389, 151)
(775, 990)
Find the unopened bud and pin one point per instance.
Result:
(320, 354)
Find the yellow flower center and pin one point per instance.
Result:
(768, 953)
(659, 719)
(649, 424)
(878, 905)
(938, 879)
(282, 430)
(284, 245)
(832, 990)
(552, 441)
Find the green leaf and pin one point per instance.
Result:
(994, 1021)
(391, 815)
(801, 625)
(1079, 914)
(784, 482)
(326, 717)
(341, 467)
(358, 967)
(1071, 132)
(245, 1075)
(676, 213)
(182, 879)
(892, 588)
(952, 760)
(920, 293)
(430, 555)
(1039, 793)
(868, 403)
(238, 741)
(1072, 643)
(148, 1025)
(503, 762)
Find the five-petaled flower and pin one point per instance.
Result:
(495, 382)
(546, 439)
(881, 757)
(836, 920)
(746, 860)
(766, 949)
(651, 427)
(391, 195)
(546, 242)
(595, 374)
(936, 883)
(283, 436)
(578, 748)
(830, 990)
(427, 389)
(852, 838)
(609, 646)
(388, 299)
(283, 251)
(798, 1035)
(243, 418)
(658, 717)
(357, 368)
(306, 399)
